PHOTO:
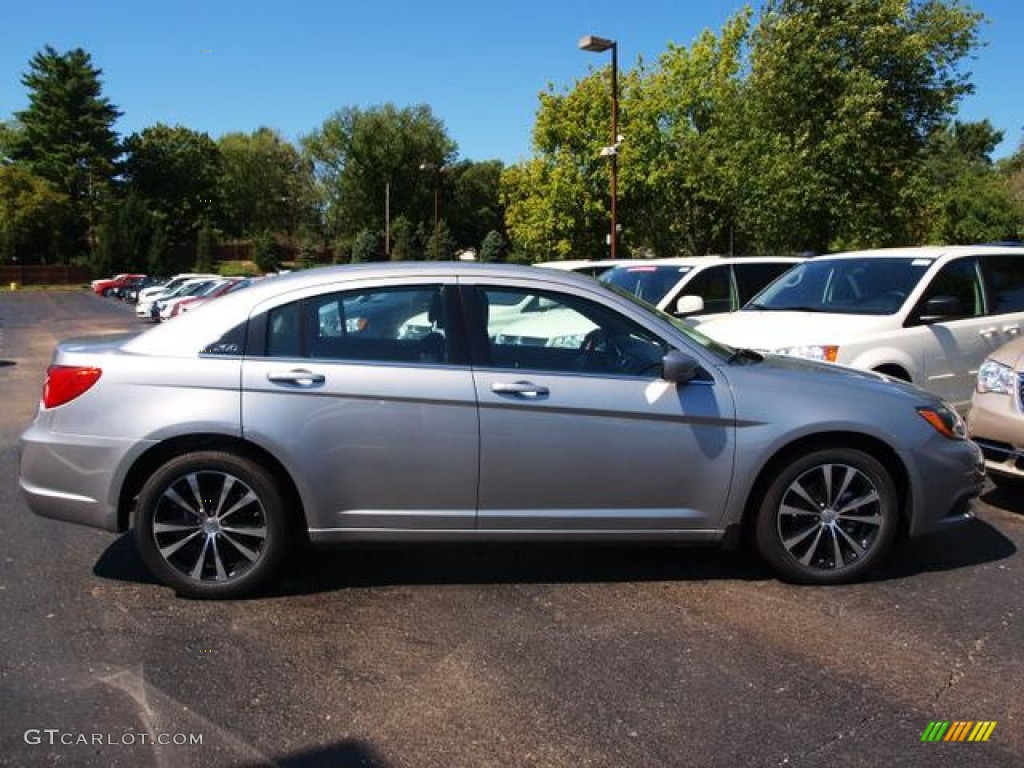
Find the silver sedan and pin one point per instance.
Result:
(384, 402)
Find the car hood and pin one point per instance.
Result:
(759, 329)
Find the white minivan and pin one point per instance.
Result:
(927, 315)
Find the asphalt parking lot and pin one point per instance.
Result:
(491, 656)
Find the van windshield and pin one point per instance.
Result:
(875, 286)
(648, 282)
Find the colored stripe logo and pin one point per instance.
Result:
(958, 730)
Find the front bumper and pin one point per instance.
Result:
(945, 477)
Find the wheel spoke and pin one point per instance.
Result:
(256, 533)
(170, 550)
(242, 502)
(800, 491)
(837, 551)
(221, 573)
(193, 483)
(225, 489)
(172, 494)
(854, 545)
(806, 559)
(861, 501)
(866, 519)
(171, 528)
(197, 570)
(826, 471)
(848, 477)
(788, 509)
(794, 541)
(253, 556)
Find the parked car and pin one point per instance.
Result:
(698, 285)
(591, 267)
(147, 294)
(194, 302)
(129, 292)
(200, 290)
(105, 286)
(996, 418)
(149, 306)
(925, 315)
(232, 436)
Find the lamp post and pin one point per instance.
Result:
(437, 171)
(595, 44)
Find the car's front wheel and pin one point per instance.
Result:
(828, 517)
(211, 524)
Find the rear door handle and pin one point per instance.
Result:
(299, 376)
(523, 388)
(1011, 330)
(988, 332)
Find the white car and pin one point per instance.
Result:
(698, 285)
(148, 294)
(592, 267)
(198, 291)
(149, 307)
(925, 315)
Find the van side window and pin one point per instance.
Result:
(714, 285)
(960, 280)
(1006, 283)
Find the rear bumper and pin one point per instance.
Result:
(73, 477)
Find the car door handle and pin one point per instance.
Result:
(1011, 330)
(523, 388)
(988, 332)
(298, 376)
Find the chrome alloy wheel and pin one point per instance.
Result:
(209, 526)
(830, 517)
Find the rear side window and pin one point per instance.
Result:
(379, 325)
(1006, 282)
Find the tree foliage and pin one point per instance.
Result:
(31, 212)
(66, 136)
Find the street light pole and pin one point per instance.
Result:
(595, 44)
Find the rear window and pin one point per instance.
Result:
(648, 282)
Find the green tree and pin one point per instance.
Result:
(176, 171)
(206, 247)
(31, 211)
(66, 136)
(359, 154)
(440, 245)
(266, 254)
(494, 247)
(266, 184)
(365, 247)
(844, 95)
(472, 205)
(404, 246)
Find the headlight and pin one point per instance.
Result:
(945, 420)
(995, 377)
(825, 352)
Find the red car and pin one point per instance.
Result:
(102, 287)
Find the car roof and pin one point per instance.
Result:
(927, 252)
(699, 261)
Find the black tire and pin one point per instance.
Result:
(847, 530)
(180, 528)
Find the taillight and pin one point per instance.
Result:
(66, 382)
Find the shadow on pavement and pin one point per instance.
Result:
(360, 566)
(344, 754)
(1009, 498)
(6, 363)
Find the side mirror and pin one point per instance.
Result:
(678, 367)
(941, 308)
(689, 305)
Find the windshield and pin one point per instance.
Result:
(717, 348)
(648, 282)
(852, 286)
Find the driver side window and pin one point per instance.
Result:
(563, 333)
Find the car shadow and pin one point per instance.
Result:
(7, 363)
(315, 571)
(1008, 498)
(342, 754)
(974, 543)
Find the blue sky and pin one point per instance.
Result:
(232, 65)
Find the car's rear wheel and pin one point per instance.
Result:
(829, 517)
(211, 524)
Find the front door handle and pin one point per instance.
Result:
(523, 388)
(1011, 330)
(988, 333)
(298, 376)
